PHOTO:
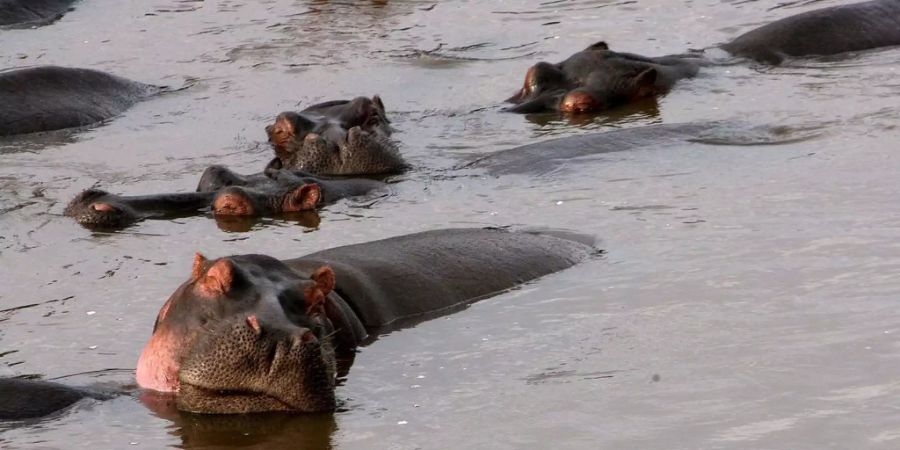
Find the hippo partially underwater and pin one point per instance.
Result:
(347, 137)
(341, 137)
(250, 333)
(48, 98)
(29, 13)
(224, 193)
(598, 78)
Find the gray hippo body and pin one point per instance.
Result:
(546, 156)
(827, 31)
(273, 327)
(22, 399)
(25, 13)
(50, 98)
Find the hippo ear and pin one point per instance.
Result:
(645, 83)
(598, 46)
(314, 295)
(376, 99)
(303, 198)
(199, 264)
(274, 165)
(324, 278)
(217, 280)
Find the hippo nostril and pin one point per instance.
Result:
(102, 207)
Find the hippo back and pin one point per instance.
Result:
(404, 277)
(547, 156)
(51, 98)
(31, 12)
(827, 31)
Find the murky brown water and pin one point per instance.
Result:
(748, 298)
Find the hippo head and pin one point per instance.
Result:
(95, 208)
(288, 126)
(592, 80)
(241, 201)
(244, 334)
(616, 84)
(545, 78)
(367, 113)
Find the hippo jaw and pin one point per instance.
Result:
(249, 367)
(244, 334)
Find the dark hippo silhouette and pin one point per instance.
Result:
(250, 333)
(549, 155)
(826, 31)
(22, 399)
(597, 78)
(224, 192)
(25, 13)
(344, 137)
(95, 208)
(50, 98)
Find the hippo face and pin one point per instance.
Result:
(288, 126)
(95, 208)
(241, 201)
(592, 80)
(244, 334)
(331, 120)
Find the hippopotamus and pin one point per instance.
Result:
(344, 137)
(24, 13)
(50, 98)
(22, 399)
(96, 208)
(826, 31)
(597, 78)
(549, 155)
(250, 333)
(225, 193)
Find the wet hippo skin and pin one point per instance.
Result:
(250, 333)
(27, 399)
(50, 98)
(597, 78)
(225, 193)
(95, 208)
(22, 13)
(827, 31)
(343, 137)
(549, 155)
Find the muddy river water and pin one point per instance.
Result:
(748, 297)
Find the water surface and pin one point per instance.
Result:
(747, 298)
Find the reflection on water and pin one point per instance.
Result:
(242, 224)
(248, 431)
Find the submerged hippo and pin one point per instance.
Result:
(558, 154)
(50, 98)
(26, 13)
(251, 333)
(597, 78)
(22, 399)
(345, 137)
(225, 193)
